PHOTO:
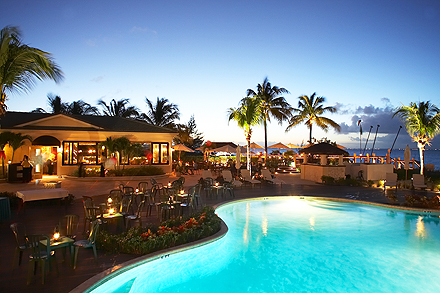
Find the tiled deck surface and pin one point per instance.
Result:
(40, 217)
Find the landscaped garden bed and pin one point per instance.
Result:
(168, 234)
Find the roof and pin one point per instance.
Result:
(323, 148)
(25, 120)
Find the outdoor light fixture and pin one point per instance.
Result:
(137, 190)
(169, 184)
(56, 234)
(111, 211)
(216, 184)
(182, 192)
(109, 200)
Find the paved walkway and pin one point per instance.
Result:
(43, 216)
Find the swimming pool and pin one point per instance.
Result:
(300, 245)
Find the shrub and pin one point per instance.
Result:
(328, 180)
(170, 233)
(141, 171)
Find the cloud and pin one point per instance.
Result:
(342, 109)
(137, 29)
(97, 79)
(373, 116)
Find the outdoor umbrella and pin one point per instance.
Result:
(407, 156)
(256, 146)
(226, 148)
(181, 147)
(293, 146)
(279, 146)
(323, 148)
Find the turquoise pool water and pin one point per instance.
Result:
(301, 245)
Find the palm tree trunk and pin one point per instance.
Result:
(310, 133)
(248, 138)
(422, 163)
(265, 140)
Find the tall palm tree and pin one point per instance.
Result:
(21, 66)
(162, 114)
(309, 111)
(248, 114)
(119, 108)
(271, 104)
(422, 124)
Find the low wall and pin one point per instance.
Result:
(369, 171)
(315, 172)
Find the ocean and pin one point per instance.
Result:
(431, 156)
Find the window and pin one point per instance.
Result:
(160, 153)
(80, 152)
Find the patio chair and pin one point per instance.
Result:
(91, 212)
(90, 242)
(419, 181)
(135, 217)
(247, 178)
(268, 177)
(390, 180)
(143, 188)
(206, 174)
(19, 231)
(227, 175)
(208, 182)
(41, 253)
(189, 203)
(69, 226)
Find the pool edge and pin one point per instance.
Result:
(100, 278)
(97, 280)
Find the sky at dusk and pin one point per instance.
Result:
(364, 57)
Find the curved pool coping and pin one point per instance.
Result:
(102, 277)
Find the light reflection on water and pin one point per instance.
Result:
(290, 245)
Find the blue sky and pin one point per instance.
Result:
(365, 57)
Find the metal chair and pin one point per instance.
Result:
(41, 253)
(89, 243)
(19, 231)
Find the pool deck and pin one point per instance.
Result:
(41, 217)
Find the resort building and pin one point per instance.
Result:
(61, 142)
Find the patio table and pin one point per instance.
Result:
(63, 242)
(40, 194)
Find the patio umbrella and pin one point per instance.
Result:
(293, 146)
(226, 148)
(323, 148)
(279, 146)
(182, 148)
(237, 157)
(256, 146)
(407, 156)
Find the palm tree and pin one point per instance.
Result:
(248, 114)
(271, 104)
(422, 124)
(119, 108)
(122, 145)
(162, 114)
(81, 108)
(188, 134)
(21, 65)
(15, 140)
(309, 111)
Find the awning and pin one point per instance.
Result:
(46, 140)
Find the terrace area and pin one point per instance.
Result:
(43, 216)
